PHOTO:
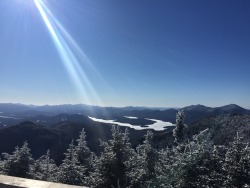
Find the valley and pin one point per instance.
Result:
(59, 126)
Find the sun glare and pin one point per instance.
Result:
(26, 3)
(71, 54)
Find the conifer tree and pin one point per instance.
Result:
(103, 174)
(164, 173)
(85, 156)
(1, 166)
(217, 174)
(70, 171)
(187, 168)
(18, 164)
(44, 168)
(142, 167)
(178, 132)
(237, 164)
(110, 168)
(198, 168)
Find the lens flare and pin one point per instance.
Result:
(71, 54)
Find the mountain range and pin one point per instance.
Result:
(53, 127)
(11, 114)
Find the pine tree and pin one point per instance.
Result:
(103, 175)
(142, 167)
(178, 132)
(70, 171)
(237, 164)
(187, 168)
(1, 166)
(18, 164)
(198, 168)
(85, 156)
(217, 174)
(164, 173)
(171, 160)
(110, 168)
(44, 169)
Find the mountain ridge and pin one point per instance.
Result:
(12, 114)
(21, 106)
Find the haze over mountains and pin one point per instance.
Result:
(11, 114)
(53, 127)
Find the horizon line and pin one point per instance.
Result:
(136, 106)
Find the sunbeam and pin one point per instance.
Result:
(70, 53)
(78, 51)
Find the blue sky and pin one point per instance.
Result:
(140, 53)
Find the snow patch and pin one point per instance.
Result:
(130, 117)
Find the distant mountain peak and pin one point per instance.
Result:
(195, 107)
(231, 106)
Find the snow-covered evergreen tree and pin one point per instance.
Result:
(18, 164)
(103, 175)
(178, 132)
(1, 166)
(237, 164)
(110, 168)
(142, 167)
(217, 174)
(196, 161)
(70, 171)
(187, 168)
(164, 174)
(44, 168)
(83, 152)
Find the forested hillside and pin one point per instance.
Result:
(223, 130)
(58, 134)
(196, 156)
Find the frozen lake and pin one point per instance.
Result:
(157, 126)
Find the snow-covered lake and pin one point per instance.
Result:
(157, 126)
(7, 117)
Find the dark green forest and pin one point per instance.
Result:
(195, 158)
